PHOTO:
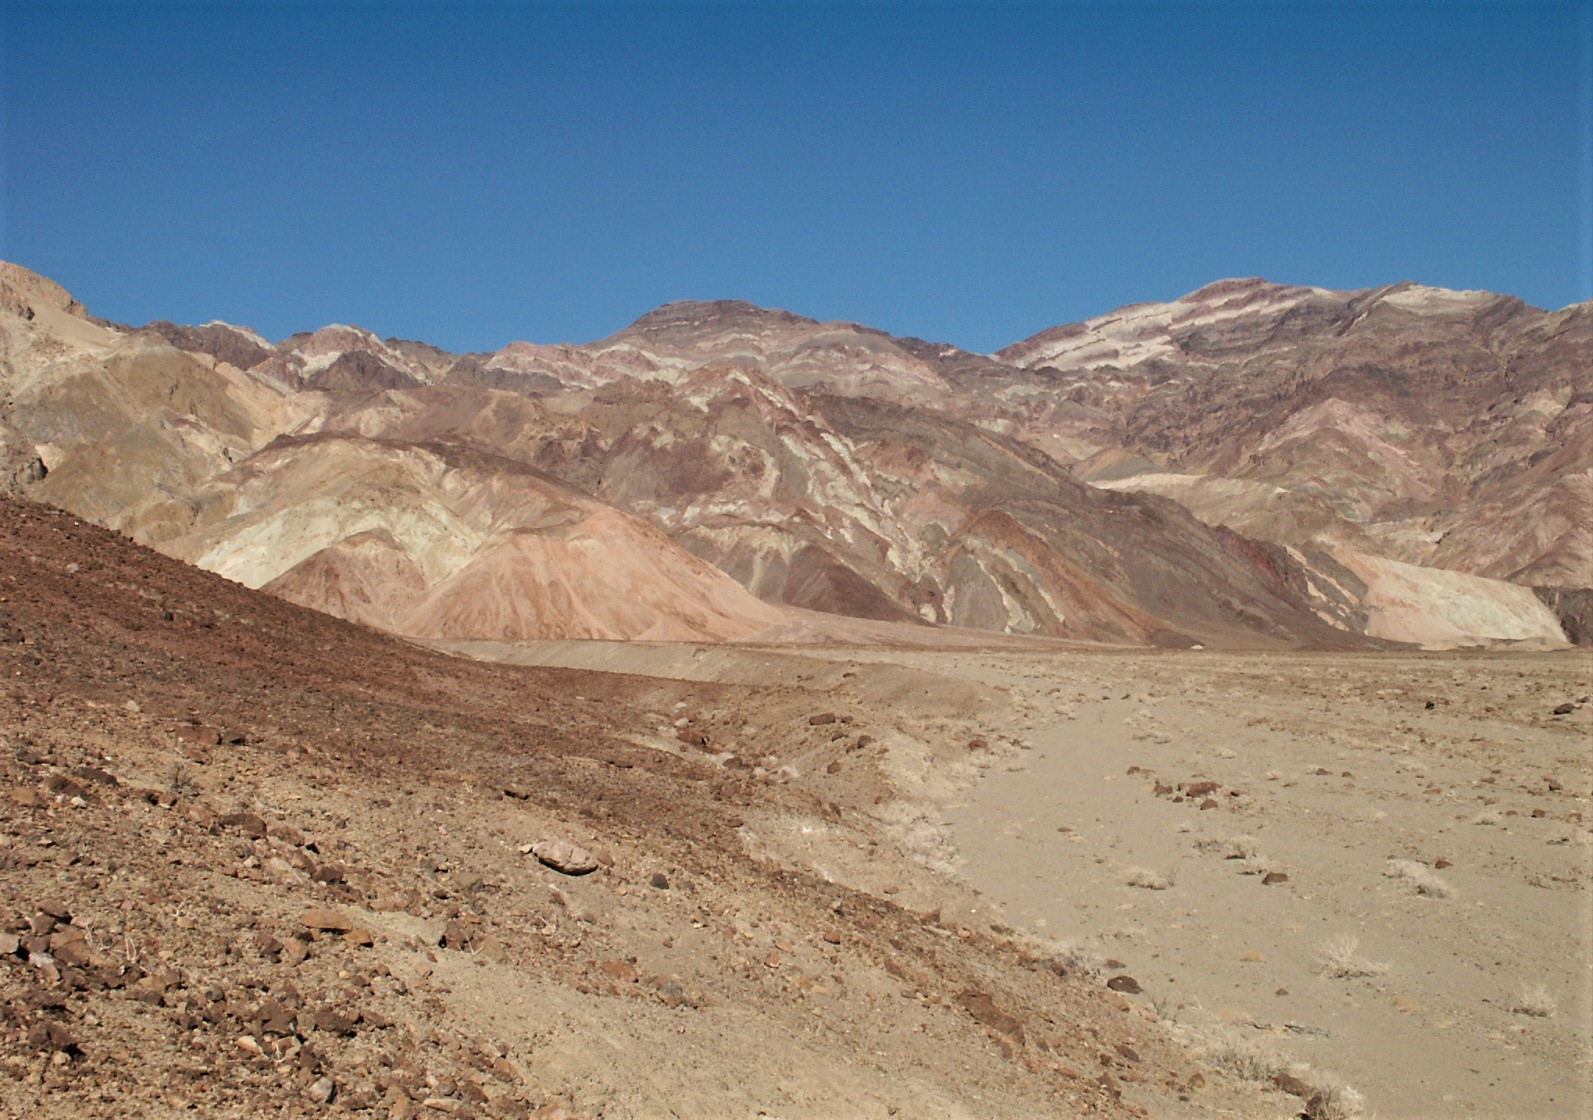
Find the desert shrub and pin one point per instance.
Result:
(1245, 1058)
(1536, 1000)
(1242, 847)
(1335, 1102)
(1146, 879)
(1342, 961)
(1077, 958)
(1420, 876)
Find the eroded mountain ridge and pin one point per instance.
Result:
(1253, 464)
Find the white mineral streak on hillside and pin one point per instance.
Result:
(249, 333)
(1420, 298)
(577, 367)
(1440, 609)
(1139, 332)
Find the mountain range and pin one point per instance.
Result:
(1252, 465)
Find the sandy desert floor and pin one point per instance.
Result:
(1373, 865)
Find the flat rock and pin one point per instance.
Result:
(983, 1008)
(564, 856)
(330, 920)
(623, 971)
(324, 1091)
(1292, 1085)
(249, 824)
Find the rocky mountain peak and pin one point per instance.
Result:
(23, 292)
(685, 321)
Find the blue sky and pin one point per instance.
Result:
(472, 173)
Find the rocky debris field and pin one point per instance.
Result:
(261, 861)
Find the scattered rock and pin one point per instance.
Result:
(565, 857)
(457, 934)
(324, 1091)
(983, 1008)
(659, 880)
(326, 921)
(1292, 1085)
(250, 825)
(623, 971)
(95, 774)
(1272, 877)
(50, 1035)
(332, 1022)
(1125, 984)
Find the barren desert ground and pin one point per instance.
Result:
(1424, 814)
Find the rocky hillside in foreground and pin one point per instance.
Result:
(261, 861)
(1252, 465)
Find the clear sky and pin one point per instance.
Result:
(473, 173)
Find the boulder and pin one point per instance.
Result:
(564, 856)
